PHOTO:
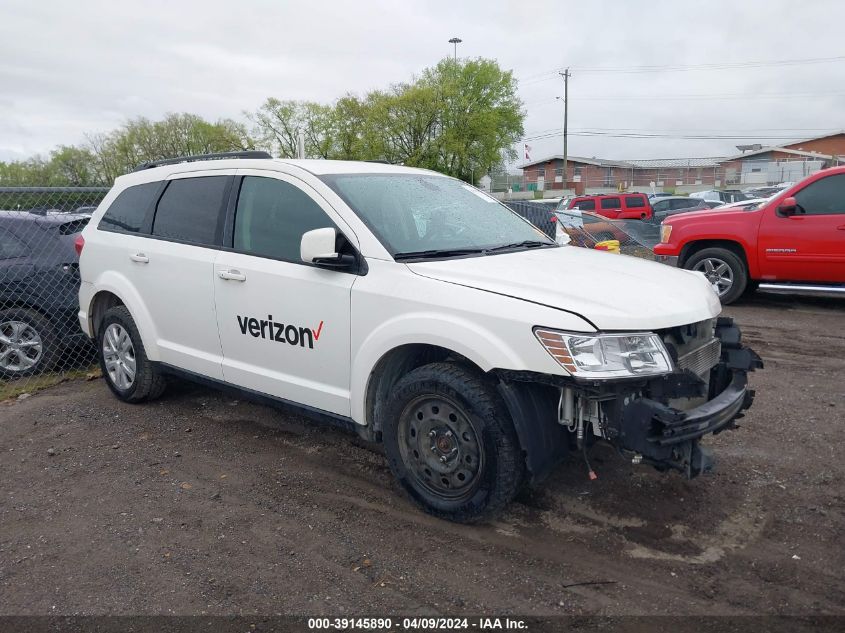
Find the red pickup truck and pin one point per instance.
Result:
(795, 240)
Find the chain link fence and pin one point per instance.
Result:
(41, 342)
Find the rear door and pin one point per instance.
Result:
(636, 206)
(173, 269)
(610, 207)
(284, 324)
(810, 245)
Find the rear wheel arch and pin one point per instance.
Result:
(110, 296)
(100, 304)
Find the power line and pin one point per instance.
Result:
(647, 135)
(543, 76)
(700, 97)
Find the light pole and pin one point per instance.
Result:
(456, 41)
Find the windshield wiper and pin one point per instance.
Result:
(435, 253)
(523, 244)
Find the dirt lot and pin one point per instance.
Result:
(203, 504)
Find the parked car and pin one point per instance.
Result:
(548, 203)
(795, 240)
(712, 204)
(615, 206)
(722, 195)
(586, 229)
(412, 308)
(39, 283)
(659, 194)
(672, 205)
(747, 205)
(764, 192)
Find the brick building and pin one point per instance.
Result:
(784, 163)
(758, 166)
(596, 174)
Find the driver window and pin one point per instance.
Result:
(823, 197)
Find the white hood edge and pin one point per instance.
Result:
(613, 292)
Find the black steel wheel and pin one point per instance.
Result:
(440, 446)
(451, 443)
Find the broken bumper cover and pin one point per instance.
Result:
(667, 437)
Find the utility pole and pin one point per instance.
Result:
(566, 75)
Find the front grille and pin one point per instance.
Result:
(702, 358)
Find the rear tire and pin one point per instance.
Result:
(451, 444)
(128, 372)
(724, 269)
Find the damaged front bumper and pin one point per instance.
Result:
(658, 432)
(658, 421)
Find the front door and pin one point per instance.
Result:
(284, 324)
(810, 245)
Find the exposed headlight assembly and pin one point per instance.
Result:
(607, 355)
(665, 232)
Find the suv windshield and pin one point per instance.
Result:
(416, 215)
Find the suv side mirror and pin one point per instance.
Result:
(319, 247)
(788, 207)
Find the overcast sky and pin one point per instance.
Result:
(67, 68)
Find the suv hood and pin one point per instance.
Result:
(613, 292)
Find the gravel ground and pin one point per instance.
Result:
(201, 504)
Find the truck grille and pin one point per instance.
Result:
(702, 358)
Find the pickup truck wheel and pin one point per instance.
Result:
(724, 270)
(124, 363)
(451, 444)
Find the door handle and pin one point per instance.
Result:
(841, 227)
(140, 258)
(232, 275)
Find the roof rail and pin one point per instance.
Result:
(196, 157)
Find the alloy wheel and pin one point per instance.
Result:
(718, 273)
(21, 347)
(119, 356)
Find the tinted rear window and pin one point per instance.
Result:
(190, 210)
(127, 212)
(634, 202)
(611, 203)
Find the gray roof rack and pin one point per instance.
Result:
(196, 157)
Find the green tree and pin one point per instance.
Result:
(481, 116)
(460, 118)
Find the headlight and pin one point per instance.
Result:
(665, 232)
(607, 355)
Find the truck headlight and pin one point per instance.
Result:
(607, 355)
(665, 232)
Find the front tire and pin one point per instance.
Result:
(451, 444)
(124, 363)
(724, 269)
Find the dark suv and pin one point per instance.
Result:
(39, 285)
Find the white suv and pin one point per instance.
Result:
(410, 307)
